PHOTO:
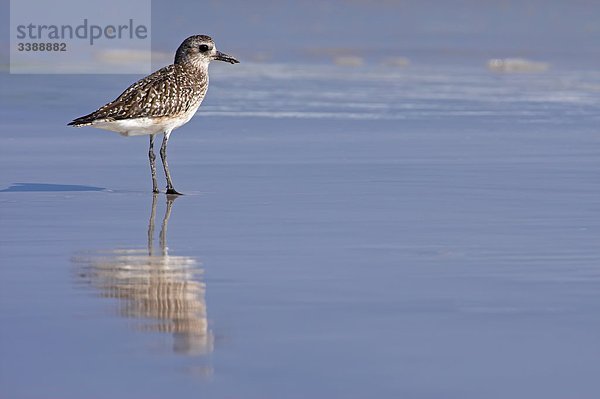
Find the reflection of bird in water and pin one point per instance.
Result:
(161, 288)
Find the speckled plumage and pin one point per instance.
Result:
(162, 101)
(170, 91)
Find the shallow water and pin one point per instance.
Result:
(370, 232)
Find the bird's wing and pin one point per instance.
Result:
(168, 91)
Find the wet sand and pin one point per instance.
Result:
(413, 233)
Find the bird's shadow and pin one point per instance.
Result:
(48, 187)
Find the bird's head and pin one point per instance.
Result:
(199, 51)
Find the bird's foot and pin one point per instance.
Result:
(172, 191)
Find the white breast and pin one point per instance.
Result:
(144, 126)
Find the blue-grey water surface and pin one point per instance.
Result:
(427, 231)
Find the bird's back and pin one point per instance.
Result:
(172, 91)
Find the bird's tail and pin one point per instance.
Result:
(85, 120)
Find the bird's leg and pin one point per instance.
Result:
(163, 156)
(153, 165)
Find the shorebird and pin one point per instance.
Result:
(162, 101)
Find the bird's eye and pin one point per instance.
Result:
(203, 48)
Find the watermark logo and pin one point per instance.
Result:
(70, 36)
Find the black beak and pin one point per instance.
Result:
(227, 58)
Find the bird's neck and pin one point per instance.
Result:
(192, 63)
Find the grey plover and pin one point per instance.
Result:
(162, 101)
